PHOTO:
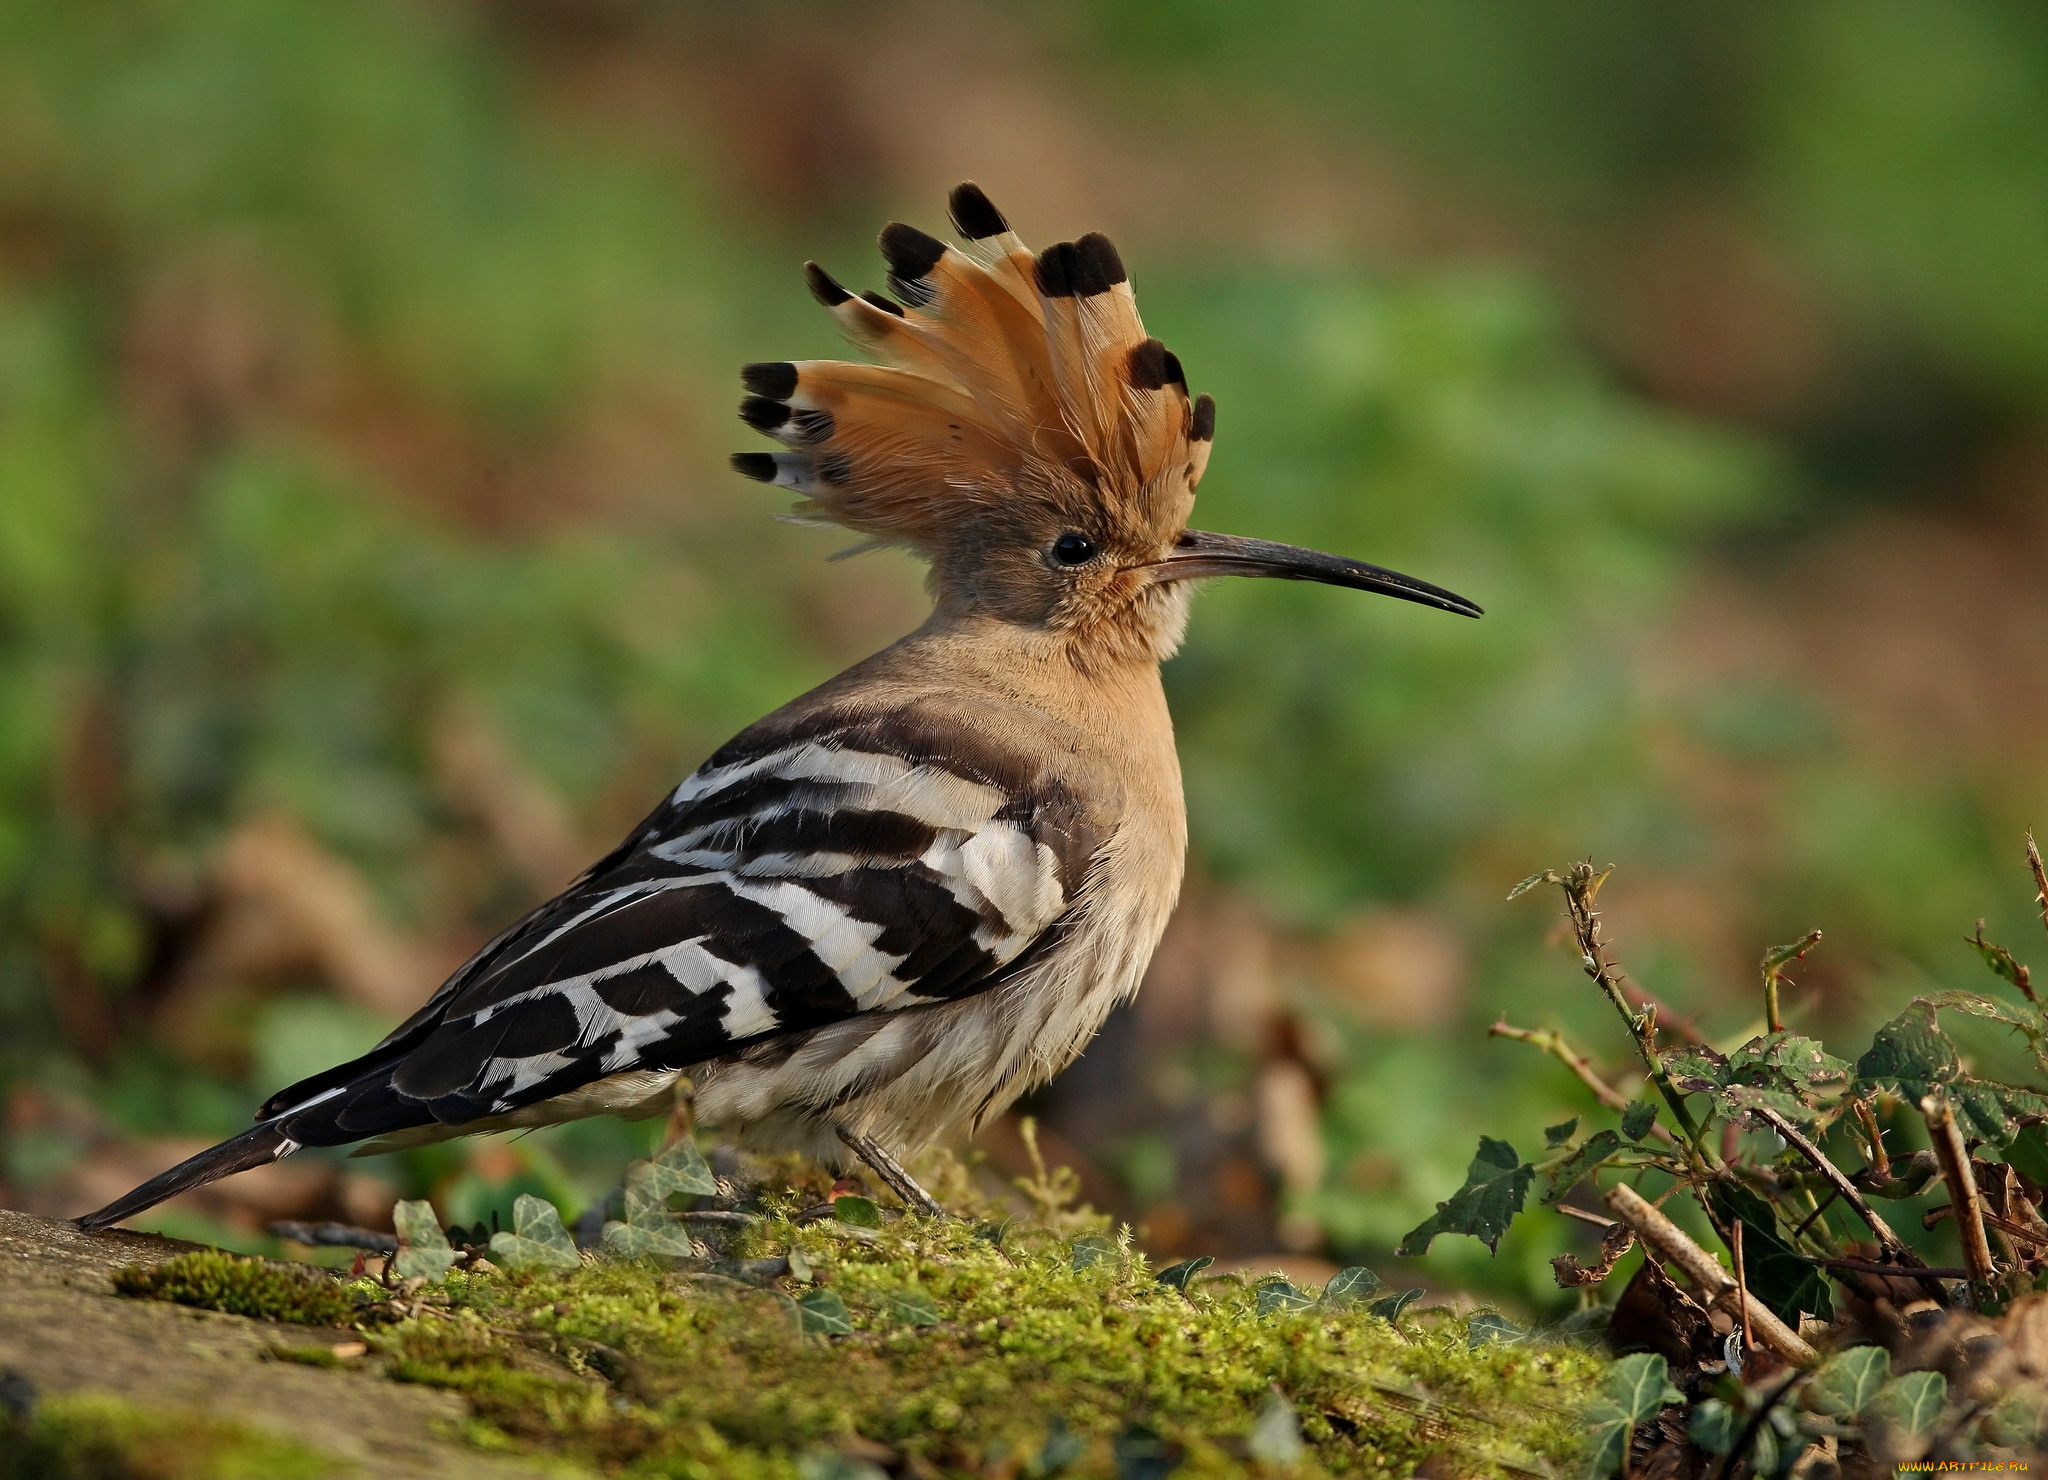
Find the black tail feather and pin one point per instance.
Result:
(255, 1147)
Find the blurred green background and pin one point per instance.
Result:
(368, 560)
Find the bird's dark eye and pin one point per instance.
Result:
(1073, 549)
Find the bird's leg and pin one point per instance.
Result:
(890, 1170)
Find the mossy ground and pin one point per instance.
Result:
(213, 1280)
(94, 1436)
(943, 1347)
(660, 1372)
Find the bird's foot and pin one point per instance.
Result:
(890, 1170)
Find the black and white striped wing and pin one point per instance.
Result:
(857, 866)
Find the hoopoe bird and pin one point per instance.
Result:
(894, 905)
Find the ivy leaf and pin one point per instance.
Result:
(1777, 1274)
(1846, 1383)
(1489, 1327)
(1177, 1276)
(1637, 1119)
(823, 1313)
(1912, 1402)
(1636, 1388)
(1714, 1426)
(856, 1211)
(1495, 1185)
(1279, 1296)
(911, 1308)
(680, 1168)
(423, 1249)
(1608, 1441)
(650, 1229)
(1389, 1307)
(1639, 1386)
(1574, 1169)
(537, 1239)
(1091, 1249)
(2017, 1422)
(1555, 1136)
(667, 1240)
(1275, 1438)
(1349, 1286)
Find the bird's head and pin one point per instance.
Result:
(1025, 435)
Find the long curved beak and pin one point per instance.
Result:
(1198, 554)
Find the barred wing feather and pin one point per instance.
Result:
(855, 866)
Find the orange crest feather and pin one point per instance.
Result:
(995, 360)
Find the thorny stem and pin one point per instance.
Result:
(1581, 887)
(2040, 879)
(1675, 1024)
(1774, 964)
(1895, 1249)
(1880, 1159)
(1954, 1158)
(1553, 1043)
(1844, 1188)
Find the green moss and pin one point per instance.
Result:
(664, 1372)
(243, 1287)
(87, 1436)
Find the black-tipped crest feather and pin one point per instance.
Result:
(974, 213)
(824, 287)
(775, 379)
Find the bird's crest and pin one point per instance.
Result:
(1000, 374)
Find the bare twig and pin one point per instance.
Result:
(1667, 1240)
(1897, 1271)
(2006, 1226)
(1554, 1043)
(1742, 1290)
(1954, 1158)
(1814, 1217)
(1584, 1216)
